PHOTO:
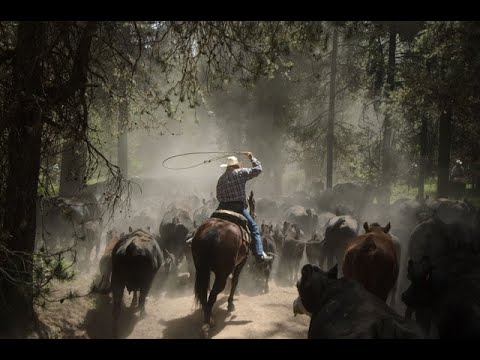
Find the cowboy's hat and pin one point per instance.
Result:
(231, 160)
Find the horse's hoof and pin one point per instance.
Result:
(231, 307)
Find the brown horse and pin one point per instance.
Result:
(371, 260)
(218, 247)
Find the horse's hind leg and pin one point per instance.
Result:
(235, 277)
(218, 286)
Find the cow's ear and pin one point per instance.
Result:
(365, 226)
(333, 272)
(307, 271)
(130, 229)
(386, 229)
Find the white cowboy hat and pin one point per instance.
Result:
(231, 160)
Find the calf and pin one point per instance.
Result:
(343, 309)
(371, 260)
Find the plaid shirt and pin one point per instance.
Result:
(231, 185)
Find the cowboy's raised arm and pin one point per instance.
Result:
(254, 171)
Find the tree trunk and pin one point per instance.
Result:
(331, 109)
(387, 124)
(73, 170)
(423, 159)
(122, 148)
(444, 140)
(309, 167)
(24, 143)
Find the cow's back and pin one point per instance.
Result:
(349, 312)
(135, 259)
(371, 260)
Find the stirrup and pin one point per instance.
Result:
(264, 258)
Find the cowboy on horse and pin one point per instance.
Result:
(231, 196)
(221, 244)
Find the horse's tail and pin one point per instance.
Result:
(202, 275)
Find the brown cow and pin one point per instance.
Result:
(371, 260)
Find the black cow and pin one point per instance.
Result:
(446, 294)
(343, 309)
(291, 253)
(339, 231)
(306, 219)
(136, 259)
(263, 270)
(174, 228)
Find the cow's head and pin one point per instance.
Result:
(311, 287)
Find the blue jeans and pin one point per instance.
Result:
(253, 227)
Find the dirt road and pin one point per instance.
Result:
(173, 315)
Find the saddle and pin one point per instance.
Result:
(237, 219)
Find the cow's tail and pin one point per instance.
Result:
(203, 263)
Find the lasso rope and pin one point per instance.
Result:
(226, 154)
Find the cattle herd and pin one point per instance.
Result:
(407, 270)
